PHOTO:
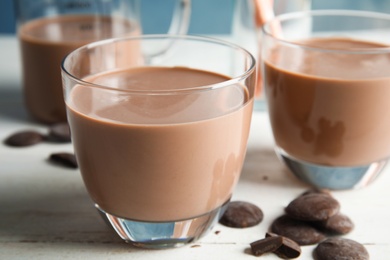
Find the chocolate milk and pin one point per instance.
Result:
(159, 158)
(330, 108)
(45, 42)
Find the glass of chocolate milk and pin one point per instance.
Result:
(50, 29)
(327, 83)
(160, 126)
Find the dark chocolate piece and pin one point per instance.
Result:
(24, 138)
(340, 248)
(301, 232)
(240, 214)
(266, 245)
(289, 248)
(339, 224)
(313, 207)
(64, 159)
(59, 133)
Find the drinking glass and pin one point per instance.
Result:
(50, 29)
(160, 126)
(327, 83)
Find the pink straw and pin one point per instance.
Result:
(264, 12)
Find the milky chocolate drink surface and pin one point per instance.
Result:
(44, 44)
(330, 107)
(159, 157)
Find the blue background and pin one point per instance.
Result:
(202, 18)
(208, 16)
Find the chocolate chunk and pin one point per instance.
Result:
(313, 207)
(59, 133)
(240, 214)
(24, 138)
(340, 248)
(339, 224)
(289, 248)
(64, 159)
(301, 232)
(266, 245)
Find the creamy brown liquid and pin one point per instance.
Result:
(333, 108)
(159, 158)
(45, 42)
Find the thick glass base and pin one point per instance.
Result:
(333, 178)
(159, 235)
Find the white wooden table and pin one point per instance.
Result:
(45, 212)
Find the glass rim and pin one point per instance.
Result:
(195, 38)
(267, 28)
